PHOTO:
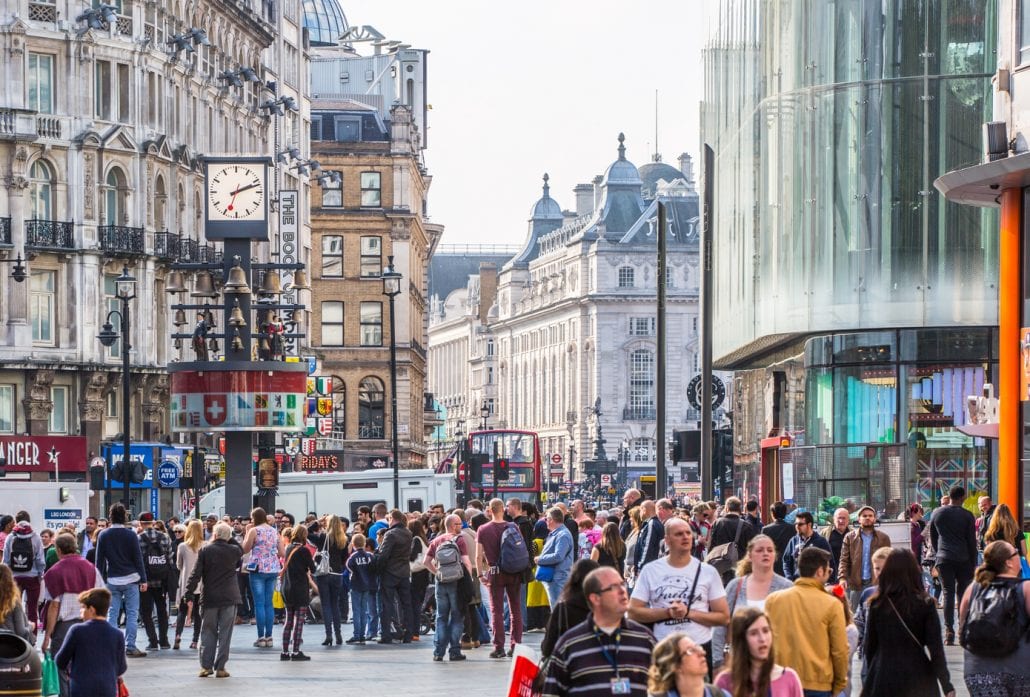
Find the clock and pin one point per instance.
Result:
(237, 198)
(694, 392)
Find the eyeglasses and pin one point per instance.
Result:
(1013, 555)
(614, 586)
(693, 651)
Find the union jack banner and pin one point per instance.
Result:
(447, 464)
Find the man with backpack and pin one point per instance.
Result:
(448, 559)
(953, 534)
(159, 562)
(732, 530)
(23, 552)
(489, 539)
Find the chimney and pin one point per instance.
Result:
(584, 199)
(597, 191)
(687, 167)
(487, 288)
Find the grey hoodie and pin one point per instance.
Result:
(24, 530)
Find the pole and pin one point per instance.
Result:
(393, 407)
(494, 468)
(706, 325)
(198, 467)
(661, 479)
(127, 467)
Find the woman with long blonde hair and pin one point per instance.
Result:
(1004, 527)
(330, 586)
(185, 560)
(631, 545)
(12, 614)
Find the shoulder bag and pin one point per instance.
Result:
(417, 560)
(284, 577)
(925, 651)
(545, 573)
(322, 566)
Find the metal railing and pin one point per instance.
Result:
(371, 432)
(50, 233)
(187, 249)
(166, 245)
(42, 12)
(5, 231)
(121, 239)
(638, 414)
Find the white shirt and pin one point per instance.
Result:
(69, 609)
(659, 584)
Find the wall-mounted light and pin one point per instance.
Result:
(287, 154)
(186, 41)
(274, 106)
(231, 78)
(249, 74)
(329, 178)
(100, 17)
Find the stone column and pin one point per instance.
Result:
(37, 402)
(92, 408)
(155, 399)
(18, 328)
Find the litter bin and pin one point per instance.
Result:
(21, 670)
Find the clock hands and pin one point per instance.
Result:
(252, 185)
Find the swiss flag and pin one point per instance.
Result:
(214, 409)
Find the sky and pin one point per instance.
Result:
(519, 89)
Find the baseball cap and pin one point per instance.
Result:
(146, 517)
(211, 516)
(866, 508)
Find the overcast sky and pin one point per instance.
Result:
(519, 89)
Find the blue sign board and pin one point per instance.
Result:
(154, 503)
(144, 453)
(168, 474)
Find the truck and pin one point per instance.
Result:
(342, 493)
(49, 504)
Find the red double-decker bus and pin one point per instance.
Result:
(521, 449)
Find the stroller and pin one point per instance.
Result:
(427, 613)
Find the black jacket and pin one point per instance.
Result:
(725, 529)
(393, 554)
(217, 563)
(953, 533)
(566, 614)
(297, 593)
(781, 533)
(626, 524)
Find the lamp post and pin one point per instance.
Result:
(126, 290)
(391, 289)
(484, 412)
(18, 273)
(624, 457)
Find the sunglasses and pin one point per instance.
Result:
(693, 651)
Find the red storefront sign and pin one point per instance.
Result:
(44, 453)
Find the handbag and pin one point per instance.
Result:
(925, 650)
(123, 690)
(322, 566)
(51, 681)
(416, 562)
(278, 602)
(544, 574)
(541, 677)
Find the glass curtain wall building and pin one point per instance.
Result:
(830, 122)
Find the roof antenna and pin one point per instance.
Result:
(657, 152)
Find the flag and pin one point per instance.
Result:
(446, 465)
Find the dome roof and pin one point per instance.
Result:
(622, 171)
(654, 171)
(325, 22)
(546, 207)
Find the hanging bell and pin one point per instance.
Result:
(300, 280)
(298, 316)
(204, 287)
(180, 318)
(209, 317)
(237, 281)
(178, 344)
(265, 346)
(176, 283)
(271, 284)
(236, 318)
(213, 345)
(237, 342)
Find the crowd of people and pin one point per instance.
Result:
(649, 598)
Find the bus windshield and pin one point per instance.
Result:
(517, 448)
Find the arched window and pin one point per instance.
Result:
(641, 384)
(41, 193)
(371, 409)
(160, 204)
(339, 404)
(114, 197)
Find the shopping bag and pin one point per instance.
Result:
(51, 681)
(123, 691)
(277, 600)
(524, 667)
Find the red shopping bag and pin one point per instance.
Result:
(524, 668)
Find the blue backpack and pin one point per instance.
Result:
(514, 557)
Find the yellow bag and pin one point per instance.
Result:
(277, 600)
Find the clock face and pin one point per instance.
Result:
(694, 392)
(236, 192)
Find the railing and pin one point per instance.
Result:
(48, 126)
(7, 122)
(49, 233)
(166, 245)
(638, 414)
(187, 249)
(121, 238)
(124, 25)
(42, 12)
(371, 432)
(207, 254)
(5, 231)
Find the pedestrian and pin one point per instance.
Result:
(472, 628)
(558, 555)
(806, 536)
(611, 550)
(419, 574)
(93, 652)
(679, 668)
(649, 540)
(12, 613)
(983, 521)
(572, 606)
(120, 562)
(780, 532)
(85, 537)
(330, 585)
(607, 653)
(297, 583)
(447, 559)
(810, 634)
(752, 516)
(503, 585)
(953, 535)
(636, 522)
(266, 547)
(732, 527)
(855, 570)
(917, 526)
(999, 577)
(756, 579)
(680, 592)
(631, 500)
(1003, 526)
(187, 605)
(46, 538)
(752, 669)
(216, 568)
(23, 553)
(879, 557)
(159, 562)
(834, 533)
(538, 607)
(901, 627)
(396, 616)
(363, 588)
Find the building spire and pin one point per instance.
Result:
(622, 148)
(547, 187)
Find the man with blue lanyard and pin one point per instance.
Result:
(608, 653)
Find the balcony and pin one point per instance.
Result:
(5, 231)
(120, 239)
(48, 126)
(49, 234)
(371, 432)
(166, 245)
(42, 12)
(188, 249)
(638, 414)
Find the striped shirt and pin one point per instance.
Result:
(581, 663)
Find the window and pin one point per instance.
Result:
(332, 256)
(113, 303)
(123, 93)
(489, 375)
(348, 129)
(371, 196)
(41, 81)
(332, 191)
(42, 307)
(113, 196)
(641, 384)
(490, 347)
(102, 90)
(642, 326)
(1024, 32)
(339, 404)
(371, 257)
(371, 324)
(625, 277)
(668, 277)
(332, 323)
(371, 409)
(112, 404)
(316, 128)
(642, 449)
(41, 191)
(59, 414)
(6, 408)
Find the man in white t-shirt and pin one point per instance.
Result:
(680, 593)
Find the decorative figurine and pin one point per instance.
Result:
(200, 338)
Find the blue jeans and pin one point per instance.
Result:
(817, 693)
(127, 597)
(363, 606)
(449, 619)
(553, 589)
(261, 587)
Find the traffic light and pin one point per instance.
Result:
(502, 470)
(137, 472)
(118, 472)
(475, 466)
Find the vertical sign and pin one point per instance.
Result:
(289, 227)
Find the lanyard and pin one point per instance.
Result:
(613, 661)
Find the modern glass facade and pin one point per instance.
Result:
(830, 122)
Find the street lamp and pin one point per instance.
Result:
(125, 289)
(18, 273)
(624, 456)
(391, 289)
(484, 411)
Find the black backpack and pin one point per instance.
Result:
(996, 620)
(23, 556)
(156, 561)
